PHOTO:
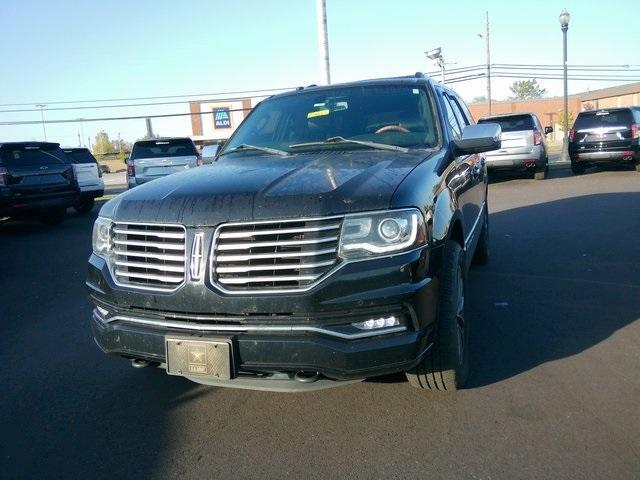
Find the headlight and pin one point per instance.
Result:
(381, 233)
(102, 237)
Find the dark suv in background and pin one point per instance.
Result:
(36, 180)
(601, 137)
(329, 241)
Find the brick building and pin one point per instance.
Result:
(549, 110)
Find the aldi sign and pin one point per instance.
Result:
(221, 118)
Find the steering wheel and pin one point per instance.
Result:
(391, 128)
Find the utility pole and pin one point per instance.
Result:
(79, 141)
(149, 129)
(44, 130)
(81, 128)
(323, 40)
(488, 65)
(119, 144)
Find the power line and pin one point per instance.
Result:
(104, 119)
(85, 107)
(131, 99)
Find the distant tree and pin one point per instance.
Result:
(480, 99)
(102, 144)
(561, 120)
(527, 90)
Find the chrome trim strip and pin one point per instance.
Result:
(149, 233)
(203, 327)
(276, 243)
(277, 232)
(289, 278)
(150, 276)
(256, 256)
(159, 256)
(290, 266)
(475, 225)
(140, 243)
(148, 266)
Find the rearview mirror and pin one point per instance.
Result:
(483, 137)
(548, 130)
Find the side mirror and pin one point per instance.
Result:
(548, 130)
(483, 137)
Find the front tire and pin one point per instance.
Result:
(446, 365)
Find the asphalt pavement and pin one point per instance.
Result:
(554, 389)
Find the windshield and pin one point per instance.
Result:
(33, 155)
(80, 156)
(603, 118)
(182, 147)
(512, 124)
(394, 115)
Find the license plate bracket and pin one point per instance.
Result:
(196, 357)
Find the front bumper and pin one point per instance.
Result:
(304, 331)
(256, 351)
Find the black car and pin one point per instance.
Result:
(328, 242)
(610, 136)
(36, 180)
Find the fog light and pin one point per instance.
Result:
(381, 322)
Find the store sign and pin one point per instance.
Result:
(221, 118)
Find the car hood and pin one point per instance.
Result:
(256, 187)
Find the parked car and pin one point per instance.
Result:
(36, 180)
(524, 144)
(209, 152)
(151, 159)
(601, 137)
(331, 243)
(89, 178)
(104, 168)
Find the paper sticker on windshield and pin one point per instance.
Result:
(318, 113)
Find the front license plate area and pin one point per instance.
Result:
(202, 358)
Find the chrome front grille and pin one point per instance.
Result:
(282, 255)
(149, 255)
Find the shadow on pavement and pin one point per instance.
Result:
(563, 276)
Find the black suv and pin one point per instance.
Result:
(36, 179)
(329, 241)
(605, 137)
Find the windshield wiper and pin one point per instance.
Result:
(338, 140)
(245, 146)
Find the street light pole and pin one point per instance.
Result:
(436, 55)
(44, 130)
(488, 66)
(564, 26)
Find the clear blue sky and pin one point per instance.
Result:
(66, 50)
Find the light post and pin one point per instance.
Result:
(323, 40)
(486, 38)
(436, 56)
(44, 130)
(564, 26)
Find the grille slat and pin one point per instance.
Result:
(149, 255)
(273, 256)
